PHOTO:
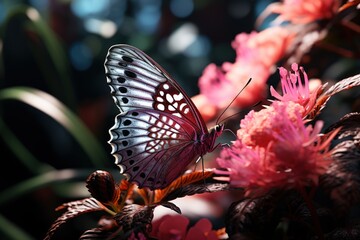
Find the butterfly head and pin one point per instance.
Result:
(217, 129)
(215, 132)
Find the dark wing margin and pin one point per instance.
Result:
(153, 137)
(135, 80)
(146, 145)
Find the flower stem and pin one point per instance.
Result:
(313, 213)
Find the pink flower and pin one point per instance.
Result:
(201, 230)
(220, 85)
(275, 149)
(303, 11)
(266, 47)
(259, 128)
(295, 88)
(213, 84)
(208, 110)
(239, 73)
(256, 55)
(171, 227)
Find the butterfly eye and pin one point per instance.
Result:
(218, 128)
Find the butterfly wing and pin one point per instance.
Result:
(153, 136)
(137, 81)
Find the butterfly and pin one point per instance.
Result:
(159, 130)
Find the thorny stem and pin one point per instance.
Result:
(313, 213)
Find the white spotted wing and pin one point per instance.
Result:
(157, 132)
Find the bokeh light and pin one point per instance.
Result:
(80, 56)
(182, 38)
(105, 28)
(147, 15)
(90, 8)
(181, 8)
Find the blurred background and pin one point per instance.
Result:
(55, 104)
(56, 108)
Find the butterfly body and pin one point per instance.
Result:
(159, 131)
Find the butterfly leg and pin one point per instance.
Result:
(225, 145)
(202, 163)
(220, 145)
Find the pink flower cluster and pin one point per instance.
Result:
(256, 54)
(176, 227)
(303, 11)
(275, 149)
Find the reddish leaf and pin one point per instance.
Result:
(135, 217)
(349, 4)
(145, 194)
(195, 183)
(345, 233)
(253, 217)
(343, 178)
(181, 182)
(342, 85)
(74, 209)
(350, 126)
(96, 233)
(107, 229)
(171, 206)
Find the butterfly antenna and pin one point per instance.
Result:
(256, 104)
(232, 101)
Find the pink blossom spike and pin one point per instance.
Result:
(295, 88)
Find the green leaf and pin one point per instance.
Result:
(48, 53)
(8, 230)
(40, 181)
(49, 105)
(20, 151)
